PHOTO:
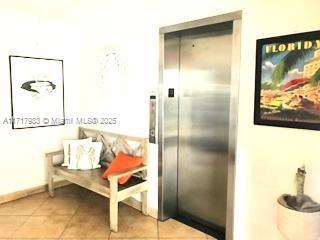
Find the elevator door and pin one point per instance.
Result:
(203, 125)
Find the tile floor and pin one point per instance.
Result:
(76, 213)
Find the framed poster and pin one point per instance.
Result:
(287, 87)
(37, 92)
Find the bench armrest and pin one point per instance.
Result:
(56, 153)
(51, 155)
(116, 176)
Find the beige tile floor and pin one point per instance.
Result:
(76, 213)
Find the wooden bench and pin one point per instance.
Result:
(92, 179)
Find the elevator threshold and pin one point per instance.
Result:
(214, 231)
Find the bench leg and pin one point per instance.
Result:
(144, 202)
(113, 205)
(113, 215)
(51, 186)
(50, 176)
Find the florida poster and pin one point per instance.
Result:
(287, 92)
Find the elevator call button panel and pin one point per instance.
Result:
(152, 123)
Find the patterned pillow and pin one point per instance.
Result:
(66, 148)
(121, 145)
(86, 134)
(107, 154)
(105, 164)
(85, 155)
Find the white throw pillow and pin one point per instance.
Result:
(85, 155)
(66, 149)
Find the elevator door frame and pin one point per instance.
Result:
(166, 198)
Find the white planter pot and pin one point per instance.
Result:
(296, 225)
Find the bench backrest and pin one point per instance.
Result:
(138, 144)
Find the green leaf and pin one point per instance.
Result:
(287, 63)
(267, 86)
(278, 73)
(315, 79)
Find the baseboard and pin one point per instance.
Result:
(43, 188)
(30, 191)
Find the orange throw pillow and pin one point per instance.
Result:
(121, 163)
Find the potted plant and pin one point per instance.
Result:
(298, 216)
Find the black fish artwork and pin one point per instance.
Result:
(39, 86)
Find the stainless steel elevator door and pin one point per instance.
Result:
(204, 86)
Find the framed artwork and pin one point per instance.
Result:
(37, 92)
(287, 87)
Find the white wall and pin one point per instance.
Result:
(35, 29)
(267, 157)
